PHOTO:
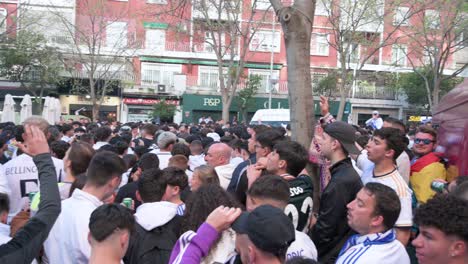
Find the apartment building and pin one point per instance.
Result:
(158, 49)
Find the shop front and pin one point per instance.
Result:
(196, 106)
(82, 105)
(140, 109)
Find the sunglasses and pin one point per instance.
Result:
(425, 141)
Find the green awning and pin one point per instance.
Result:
(155, 25)
(207, 62)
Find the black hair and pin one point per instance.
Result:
(126, 137)
(295, 155)
(387, 203)
(141, 150)
(362, 140)
(180, 149)
(88, 138)
(301, 260)
(130, 160)
(461, 179)
(202, 202)
(79, 183)
(461, 191)
(107, 147)
(269, 138)
(270, 187)
(59, 148)
(104, 166)
(393, 138)
(103, 133)
(148, 161)
(447, 213)
(79, 130)
(175, 177)
(121, 146)
(105, 219)
(4, 203)
(66, 128)
(152, 185)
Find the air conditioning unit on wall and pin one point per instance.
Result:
(161, 88)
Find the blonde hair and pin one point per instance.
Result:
(207, 174)
(38, 121)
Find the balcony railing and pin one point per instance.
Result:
(194, 84)
(376, 92)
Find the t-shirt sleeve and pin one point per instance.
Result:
(405, 219)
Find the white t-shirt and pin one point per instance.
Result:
(163, 156)
(365, 252)
(367, 166)
(68, 240)
(196, 160)
(397, 183)
(302, 247)
(20, 178)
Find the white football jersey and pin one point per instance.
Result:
(21, 178)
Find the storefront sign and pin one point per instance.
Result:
(211, 101)
(142, 101)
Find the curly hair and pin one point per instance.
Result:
(202, 202)
(445, 212)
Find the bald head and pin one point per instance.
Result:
(218, 154)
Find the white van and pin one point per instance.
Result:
(272, 117)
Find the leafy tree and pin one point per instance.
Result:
(247, 94)
(414, 86)
(163, 110)
(26, 59)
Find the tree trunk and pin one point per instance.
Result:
(343, 93)
(297, 28)
(96, 108)
(225, 110)
(435, 92)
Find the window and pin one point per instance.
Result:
(401, 16)
(399, 55)
(430, 54)
(354, 52)
(3, 20)
(116, 35)
(210, 44)
(432, 19)
(266, 41)
(153, 74)
(322, 7)
(161, 2)
(319, 44)
(261, 4)
(209, 77)
(155, 39)
(265, 78)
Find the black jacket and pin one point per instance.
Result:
(153, 246)
(27, 243)
(331, 230)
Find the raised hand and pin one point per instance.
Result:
(222, 217)
(324, 106)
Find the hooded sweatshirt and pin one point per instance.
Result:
(157, 226)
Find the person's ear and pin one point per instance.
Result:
(458, 248)
(90, 238)
(176, 190)
(282, 164)
(377, 220)
(390, 153)
(115, 182)
(4, 217)
(252, 254)
(124, 239)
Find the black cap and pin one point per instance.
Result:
(267, 227)
(345, 134)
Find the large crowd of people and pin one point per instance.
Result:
(218, 192)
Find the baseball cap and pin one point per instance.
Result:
(375, 112)
(268, 227)
(345, 134)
